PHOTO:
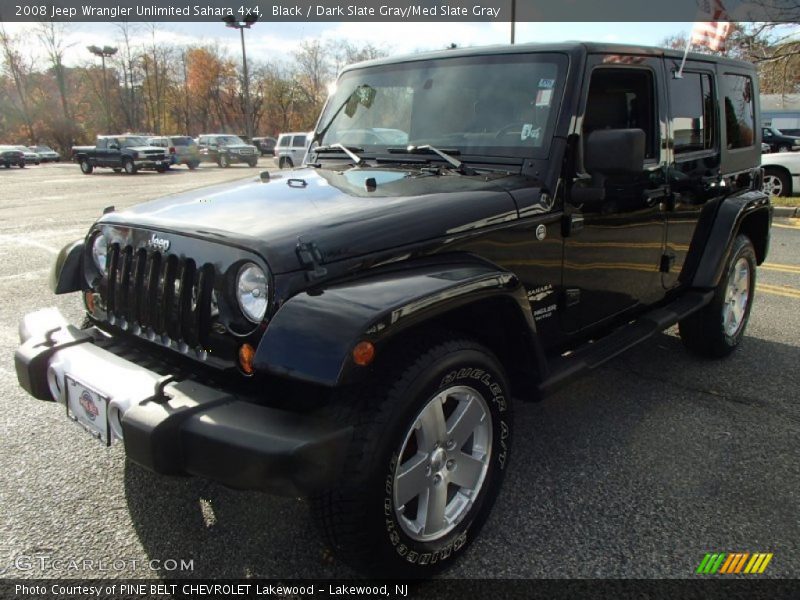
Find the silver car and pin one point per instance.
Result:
(291, 149)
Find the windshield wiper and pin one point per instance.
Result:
(337, 147)
(446, 155)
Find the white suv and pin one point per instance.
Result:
(291, 149)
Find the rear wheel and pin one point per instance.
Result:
(192, 165)
(776, 183)
(431, 441)
(717, 329)
(22, 165)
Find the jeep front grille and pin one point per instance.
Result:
(157, 294)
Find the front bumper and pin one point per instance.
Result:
(182, 427)
(241, 158)
(151, 163)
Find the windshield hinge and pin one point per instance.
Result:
(310, 257)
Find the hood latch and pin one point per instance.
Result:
(310, 257)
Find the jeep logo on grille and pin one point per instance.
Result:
(157, 243)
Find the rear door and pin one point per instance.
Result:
(695, 170)
(613, 251)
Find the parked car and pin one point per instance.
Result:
(265, 145)
(31, 157)
(781, 173)
(46, 153)
(226, 150)
(128, 153)
(778, 141)
(290, 149)
(360, 332)
(183, 150)
(12, 157)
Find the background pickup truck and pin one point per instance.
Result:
(129, 153)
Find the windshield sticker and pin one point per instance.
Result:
(543, 97)
(547, 84)
(529, 133)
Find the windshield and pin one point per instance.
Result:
(501, 105)
(229, 140)
(130, 142)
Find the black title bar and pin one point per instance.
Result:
(396, 10)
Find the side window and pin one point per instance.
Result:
(102, 143)
(203, 141)
(299, 141)
(622, 99)
(693, 112)
(739, 120)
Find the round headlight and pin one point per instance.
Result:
(100, 252)
(252, 292)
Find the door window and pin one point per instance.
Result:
(622, 99)
(299, 141)
(692, 106)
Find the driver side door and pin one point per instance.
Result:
(614, 245)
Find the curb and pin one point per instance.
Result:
(786, 211)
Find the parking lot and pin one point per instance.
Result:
(635, 471)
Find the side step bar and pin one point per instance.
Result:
(597, 352)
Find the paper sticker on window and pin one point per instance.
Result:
(547, 84)
(543, 97)
(528, 132)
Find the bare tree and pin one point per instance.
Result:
(21, 74)
(54, 39)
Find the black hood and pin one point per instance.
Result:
(332, 209)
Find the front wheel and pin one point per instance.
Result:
(426, 462)
(224, 162)
(253, 163)
(776, 183)
(129, 167)
(192, 165)
(717, 329)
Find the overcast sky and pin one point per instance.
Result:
(270, 40)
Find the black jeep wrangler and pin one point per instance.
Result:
(474, 226)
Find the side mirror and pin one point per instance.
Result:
(614, 152)
(609, 152)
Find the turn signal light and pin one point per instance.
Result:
(89, 296)
(363, 353)
(246, 355)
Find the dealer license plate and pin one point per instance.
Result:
(89, 408)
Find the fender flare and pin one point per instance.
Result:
(66, 275)
(732, 212)
(311, 337)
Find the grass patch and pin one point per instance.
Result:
(793, 201)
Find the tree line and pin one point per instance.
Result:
(149, 86)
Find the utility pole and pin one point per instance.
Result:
(247, 23)
(105, 51)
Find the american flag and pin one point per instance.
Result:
(713, 32)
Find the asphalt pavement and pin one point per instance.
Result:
(635, 471)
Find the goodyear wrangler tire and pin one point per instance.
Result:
(431, 442)
(717, 329)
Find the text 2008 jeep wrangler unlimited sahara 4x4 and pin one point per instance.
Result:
(354, 331)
